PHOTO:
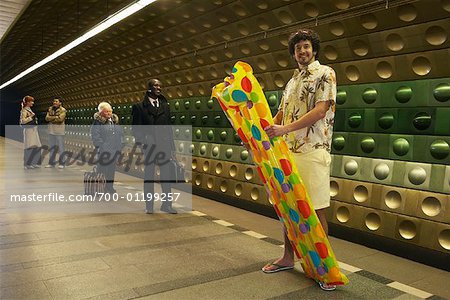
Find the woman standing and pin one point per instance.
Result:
(32, 143)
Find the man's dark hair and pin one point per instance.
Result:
(152, 82)
(303, 35)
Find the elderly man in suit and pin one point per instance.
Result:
(106, 134)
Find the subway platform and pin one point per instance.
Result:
(214, 251)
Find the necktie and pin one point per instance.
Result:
(154, 102)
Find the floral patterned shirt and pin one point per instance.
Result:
(308, 86)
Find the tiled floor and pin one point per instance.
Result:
(215, 252)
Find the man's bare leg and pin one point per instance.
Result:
(288, 255)
(321, 214)
(286, 260)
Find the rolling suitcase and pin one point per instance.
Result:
(94, 182)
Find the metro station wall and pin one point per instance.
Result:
(391, 153)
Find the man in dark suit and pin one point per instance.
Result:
(156, 142)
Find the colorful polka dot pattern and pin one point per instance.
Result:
(245, 105)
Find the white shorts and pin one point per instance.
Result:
(314, 169)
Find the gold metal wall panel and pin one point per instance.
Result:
(346, 214)
(406, 39)
(232, 170)
(329, 213)
(433, 206)
(219, 168)
(201, 165)
(267, 62)
(233, 188)
(239, 191)
(250, 174)
(398, 200)
(337, 189)
(435, 236)
(241, 172)
(430, 64)
(197, 179)
(408, 229)
(412, 200)
(446, 182)
(429, 235)
(421, 176)
(224, 186)
(196, 164)
(447, 211)
(443, 237)
(205, 166)
(341, 190)
(258, 194)
(356, 192)
(235, 171)
(226, 169)
(208, 182)
(376, 18)
(375, 197)
(394, 199)
(361, 193)
(377, 222)
(274, 80)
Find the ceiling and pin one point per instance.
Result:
(45, 26)
(191, 44)
(9, 10)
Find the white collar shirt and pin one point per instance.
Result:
(154, 102)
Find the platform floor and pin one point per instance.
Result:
(214, 252)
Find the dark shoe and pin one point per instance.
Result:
(110, 191)
(168, 209)
(274, 268)
(327, 287)
(149, 206)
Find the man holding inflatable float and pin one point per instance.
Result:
(305, 119)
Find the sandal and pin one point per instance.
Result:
(278, 268)
(327, 287)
